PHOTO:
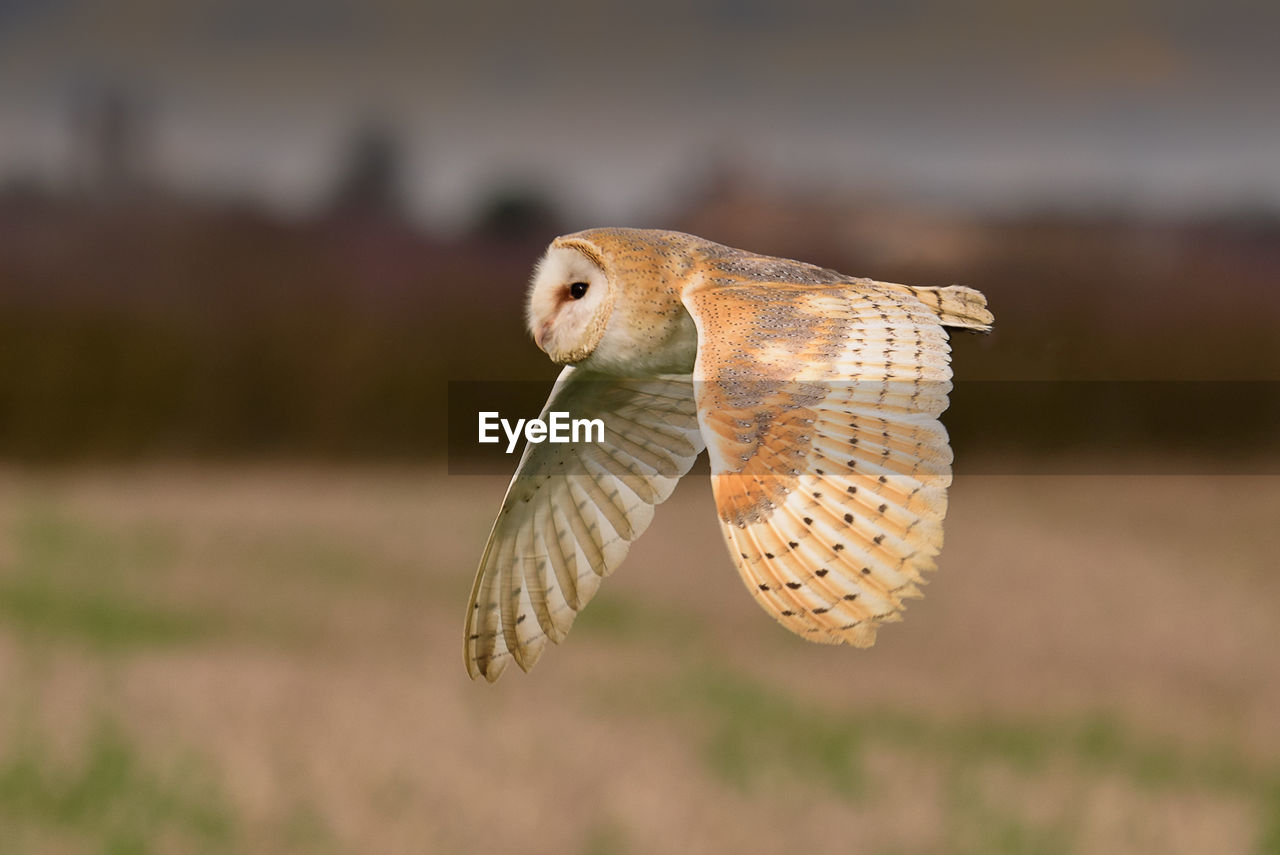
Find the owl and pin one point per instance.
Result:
(815, 394)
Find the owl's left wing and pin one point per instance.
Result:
(573, 509)
(820, 406)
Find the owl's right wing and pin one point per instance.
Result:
(573, 510)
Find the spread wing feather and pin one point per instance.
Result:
(572, 511)
(829, 465)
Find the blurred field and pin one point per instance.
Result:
(268, 660)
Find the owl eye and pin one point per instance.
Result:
(578, 290)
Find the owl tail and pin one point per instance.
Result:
(957, 306)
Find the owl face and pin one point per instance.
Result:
(570, 302)
(609, 300)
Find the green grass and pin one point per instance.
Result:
(304, 554)
(629, 619)
(109, 794)
(606, 838)
(755, 736)
(69, 579)
(97, 617)
(743, 713)
(86, 580)
(54, 539)
(978, 825)
(305, 830)
(1269, 843)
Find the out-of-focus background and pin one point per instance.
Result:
(245, 247)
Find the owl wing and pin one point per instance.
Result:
(819, 407)
(573, 509)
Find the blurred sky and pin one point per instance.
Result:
(615, 107)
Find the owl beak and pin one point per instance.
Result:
(541, 336)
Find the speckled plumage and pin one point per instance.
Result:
(816, 395)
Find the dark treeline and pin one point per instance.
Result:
(168, 328)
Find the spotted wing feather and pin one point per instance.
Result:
(573, 510)
(829, 466)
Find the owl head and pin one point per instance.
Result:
(571, 299)
(610, 300)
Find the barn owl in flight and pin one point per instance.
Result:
(815, 394)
